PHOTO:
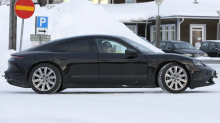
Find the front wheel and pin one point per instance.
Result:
(173, 78)
(45, 79)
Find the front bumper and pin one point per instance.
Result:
(202, 77)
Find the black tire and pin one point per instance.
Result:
(45, 82)
(173, 83)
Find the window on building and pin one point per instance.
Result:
(168, 32)
(133, 28)
(172, 32)
(130, 1)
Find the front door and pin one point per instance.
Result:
(117, 68)
(197, 33)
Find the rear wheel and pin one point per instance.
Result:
(45, 79)
(173, 78)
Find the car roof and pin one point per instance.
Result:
(211, 41)
(174, 41)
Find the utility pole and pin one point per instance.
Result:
(12, 25)
(218, 27)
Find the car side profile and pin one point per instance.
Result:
(102, 61)
(180, 47)
(211, 47)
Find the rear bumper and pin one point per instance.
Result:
(203, 77)
(16, 79)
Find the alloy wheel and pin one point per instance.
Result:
(176, 78)
(44, 79)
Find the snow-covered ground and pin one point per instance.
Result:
(201, 105)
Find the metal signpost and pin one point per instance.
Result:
(41, 30)
(24, 9)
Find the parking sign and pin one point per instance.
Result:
(41, 25)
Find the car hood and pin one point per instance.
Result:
(191, 51)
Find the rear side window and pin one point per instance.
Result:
(162, 45)
(204, 45)
(74, 46)
(168, 46)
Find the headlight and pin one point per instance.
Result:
(187, 54)
(205, 54)
(197, 62)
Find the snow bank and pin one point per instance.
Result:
(143, 11)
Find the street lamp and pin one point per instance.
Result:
(158, 21)
(218, 27)
(158, 2)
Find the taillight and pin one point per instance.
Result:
(17, 56)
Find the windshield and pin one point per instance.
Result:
(140, 47)
(183, 45)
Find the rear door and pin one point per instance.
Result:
(78, 62)
(117, 68)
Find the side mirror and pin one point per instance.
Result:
(215, 49)
(131, 52)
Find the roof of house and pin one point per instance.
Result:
(169, 8)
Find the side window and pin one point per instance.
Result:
(212, 46)
(74, 46)
(162, 45)
(204, 45)
(110, 46)
(168, 46)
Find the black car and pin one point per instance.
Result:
(180, 47)
(212, 48)
(101, 61)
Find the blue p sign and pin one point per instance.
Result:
(42, 22)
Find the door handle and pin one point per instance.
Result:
(106, 60)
